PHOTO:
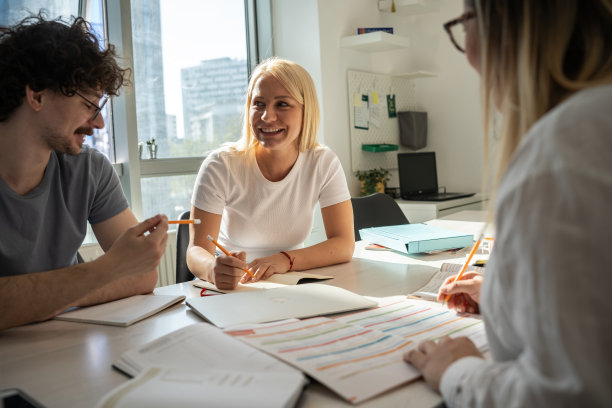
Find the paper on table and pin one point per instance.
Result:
(199, 365)
(122, 312)
(194, 347)
(166, 387)
(274, 281)
(298, 301)
(360, 355)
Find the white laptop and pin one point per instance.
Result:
(306, 300)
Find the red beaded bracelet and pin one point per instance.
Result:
(290, 260)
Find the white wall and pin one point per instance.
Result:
(309, 32)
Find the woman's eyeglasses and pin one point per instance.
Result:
(97, 108)
(456, 29)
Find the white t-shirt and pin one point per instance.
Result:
(262, 217)
(546, 296)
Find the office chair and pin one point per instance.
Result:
(183, 274)
(376, 210)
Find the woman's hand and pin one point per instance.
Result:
(228, 270)
(465, 293)
(432, 359)
(263, 268)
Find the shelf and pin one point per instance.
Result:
(374, 42)
(380, 147)
(412, 7)
(415, 74)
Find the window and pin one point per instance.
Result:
(12, 11)
(190, 76)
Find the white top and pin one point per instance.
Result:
(262, 217)
(547, 295)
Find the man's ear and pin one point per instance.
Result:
(34, 99)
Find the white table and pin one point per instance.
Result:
(66, 364)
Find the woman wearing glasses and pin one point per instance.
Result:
(258, 195)
(546, 66)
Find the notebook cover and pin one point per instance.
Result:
(268, 305)
(415, 238)
(123, 312)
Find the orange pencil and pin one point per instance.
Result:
(465, 265)
(211, 239)
(196, 221)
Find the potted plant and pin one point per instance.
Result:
(152, 148)
(373, 180)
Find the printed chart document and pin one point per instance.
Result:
(359, 355)
(275, 281)
(122, 312)
(269, 305)
(430, 290)
(199, 365)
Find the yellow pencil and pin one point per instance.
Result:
(465, 265)
(196, 221)
(211, 239)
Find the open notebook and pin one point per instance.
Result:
(430, 290)
(277, 280)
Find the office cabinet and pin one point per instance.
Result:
(421, 211)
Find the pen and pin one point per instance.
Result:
(196, 221)
(465, 265)
(211, 239)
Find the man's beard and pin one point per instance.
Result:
(66, 145)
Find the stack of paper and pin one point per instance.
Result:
(199, 365)
(176, 387)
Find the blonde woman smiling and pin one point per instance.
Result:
(257, 197)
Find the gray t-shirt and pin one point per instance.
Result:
(44, 229)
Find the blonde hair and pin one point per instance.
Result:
(535, 54)
(300, 86)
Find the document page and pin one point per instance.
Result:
(196, 346)
(359, 355)
(176, 387)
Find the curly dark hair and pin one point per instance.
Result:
(57, 55)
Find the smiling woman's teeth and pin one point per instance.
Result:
(271, 130)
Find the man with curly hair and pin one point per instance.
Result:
(54, 80)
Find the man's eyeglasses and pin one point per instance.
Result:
(97, 108)
(456, 30)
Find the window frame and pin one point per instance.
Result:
(130, 168)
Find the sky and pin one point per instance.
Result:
(213, 29)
